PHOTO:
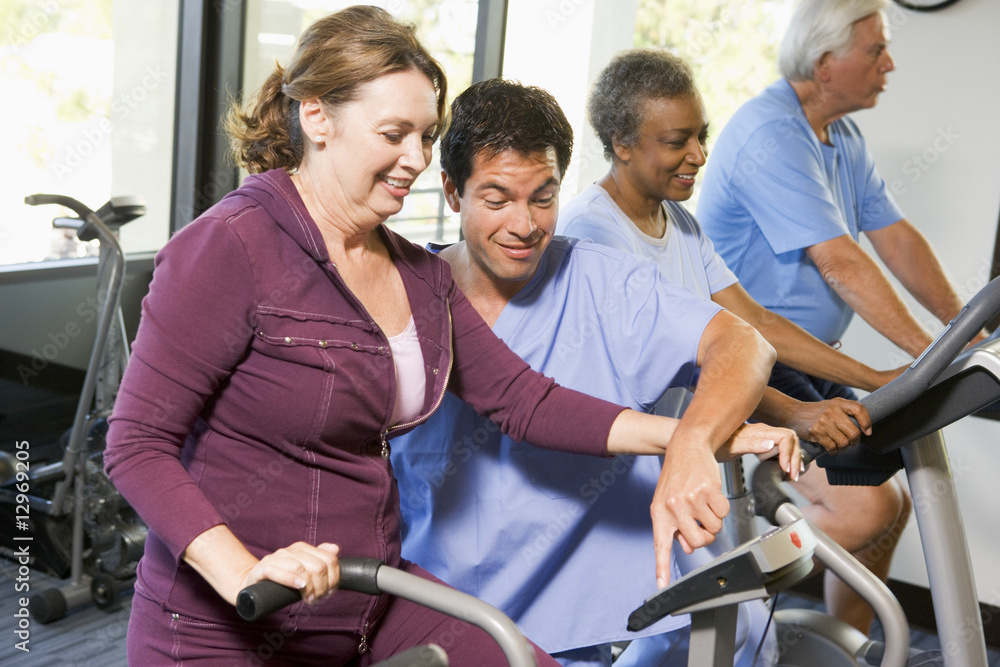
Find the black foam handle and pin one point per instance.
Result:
(266, 597)
(360, 574)
(768, 495)
(87, 230)
(263, 599)
(810, 451)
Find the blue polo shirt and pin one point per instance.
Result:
(772, 190)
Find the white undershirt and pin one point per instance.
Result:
(410, 377)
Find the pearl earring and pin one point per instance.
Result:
(319, 139)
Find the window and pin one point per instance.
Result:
(92, 87)
(731, 46)
(446, 27)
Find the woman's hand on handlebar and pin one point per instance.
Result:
(313, 570)
(833, 424)
(764, 440)
(222, 560)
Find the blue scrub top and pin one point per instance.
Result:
(562, 543)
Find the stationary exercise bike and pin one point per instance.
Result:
(943, 385)
(78, 524)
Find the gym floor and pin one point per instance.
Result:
(87, 637)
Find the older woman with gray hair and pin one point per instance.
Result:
(647, 111)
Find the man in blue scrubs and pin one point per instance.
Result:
(561, 543)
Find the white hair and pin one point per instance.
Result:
(818, 27)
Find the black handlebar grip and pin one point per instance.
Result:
(812, 451)
(266, 597)
(360, 574)
(767, 493)
(263, 599)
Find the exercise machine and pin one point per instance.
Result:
(947, 382)
(80, 526)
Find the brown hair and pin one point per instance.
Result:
(334, 57)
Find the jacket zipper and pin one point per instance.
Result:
(444, 388)
(383, 436)
(363, 646)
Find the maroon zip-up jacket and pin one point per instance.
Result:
(259, 393)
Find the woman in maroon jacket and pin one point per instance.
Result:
(288, 335)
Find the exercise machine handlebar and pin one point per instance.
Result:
(372, 576)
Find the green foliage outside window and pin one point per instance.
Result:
(732, 46)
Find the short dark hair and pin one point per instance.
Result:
(499, 114)
(631, 79)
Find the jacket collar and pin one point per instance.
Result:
(276, 193)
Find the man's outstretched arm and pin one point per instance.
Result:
(859, 281)
(799, 349)
(910, 258)
(735, 364)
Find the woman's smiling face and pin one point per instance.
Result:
(665, 160)
(378, 143)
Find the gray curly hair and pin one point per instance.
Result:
(632, 78)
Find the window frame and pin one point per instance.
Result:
(209, 73)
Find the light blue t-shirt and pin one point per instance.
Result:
(562, 543)
(684, 255)
(772, 189)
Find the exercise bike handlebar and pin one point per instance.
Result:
(926, 368)
(882, 402)
(372, 576)
(77, 207)
(88, 227)
(112, 280)
(980, 309)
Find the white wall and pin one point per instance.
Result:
(561, 46)
(52, 317)
(935, 135)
